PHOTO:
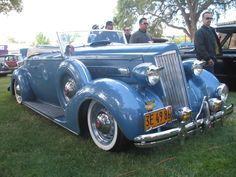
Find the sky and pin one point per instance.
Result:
(50, 16)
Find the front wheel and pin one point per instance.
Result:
(103, 128)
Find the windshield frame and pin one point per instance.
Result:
(73, 40)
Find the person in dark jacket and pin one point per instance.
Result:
(141, 36)
(127, 32)
(206, 42)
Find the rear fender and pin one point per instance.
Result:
(22, 77)
(75, 70)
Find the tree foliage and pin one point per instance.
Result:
(10, 5)
(70, 38)
(178, 14)
(41, 39)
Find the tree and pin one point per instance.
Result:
(10, 5)
(41, 40)
(179, 14)
(128, 12)
(70, 38)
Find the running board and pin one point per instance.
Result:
(52, 112)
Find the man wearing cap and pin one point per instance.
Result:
(109, 36)
(109, 25)
(141, 36)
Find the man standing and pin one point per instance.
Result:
(206, 42)
(127, 32)
(141, 36)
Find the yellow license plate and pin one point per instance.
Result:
(157, 118)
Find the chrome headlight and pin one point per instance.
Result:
(69, 89)
(153, 74)
(147, 73)
(197, 67)
(223, 92)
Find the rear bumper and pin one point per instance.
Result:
(149, 140)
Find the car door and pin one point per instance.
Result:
(43, 73)
(226, 62)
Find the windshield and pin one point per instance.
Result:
(228, 41)
(70, 42)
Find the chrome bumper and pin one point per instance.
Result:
(149, 140)
(6, 72)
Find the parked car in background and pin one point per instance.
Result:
(4, 69)
(186, 45)
(120, 93)
(226, 61)
(159, 40)
(11, 60)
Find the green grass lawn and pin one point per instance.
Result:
(32, 146)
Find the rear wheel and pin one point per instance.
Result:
(17, 91)
(103, 128)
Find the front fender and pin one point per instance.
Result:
(211, 83)
(122, 100)
(206, 84)
(187, 64)
(206, 81)
(199, 86)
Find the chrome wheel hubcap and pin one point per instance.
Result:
(103, 126)
(17, 93)
(69, 89)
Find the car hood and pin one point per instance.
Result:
(137, 49)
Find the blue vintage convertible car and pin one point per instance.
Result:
(120, 93)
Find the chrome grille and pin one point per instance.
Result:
(173, 79)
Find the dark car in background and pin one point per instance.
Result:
(4, 69)
(185, 45)
(225, 67)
